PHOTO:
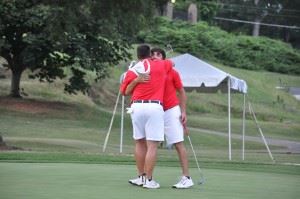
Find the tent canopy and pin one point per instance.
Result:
(203, 77)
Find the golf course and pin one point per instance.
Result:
(66, 130)
(58, 140)
(69, 180)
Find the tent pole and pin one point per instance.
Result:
(244, 113)
(111, 123)
(122, 124)
(229, 120)
(260, 131)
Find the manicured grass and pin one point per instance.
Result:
(163, 159)
(82, 129)
(66, 180)
(284, 130)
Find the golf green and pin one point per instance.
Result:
(88, 181)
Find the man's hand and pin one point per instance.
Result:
(142, 78)
(185, 129)
(183, 118)
(184, 121)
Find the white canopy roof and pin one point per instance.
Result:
(203, 77)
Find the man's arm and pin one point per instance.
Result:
(138, 79)
(182, 99)
(129, 77)
(182, 103)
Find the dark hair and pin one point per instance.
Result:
(159, 50)
(143, 51)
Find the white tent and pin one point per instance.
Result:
(203, 77)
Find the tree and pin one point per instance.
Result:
(288, 15)
(280, 13)
(84, 35)
(207, 9)
(250, 10)
(160, 6)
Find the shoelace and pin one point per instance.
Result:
(183, 179)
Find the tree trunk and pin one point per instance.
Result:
(256, 27)
(169, 10)
(193, 13)
(15, 84)
(287, 35)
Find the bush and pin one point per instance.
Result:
(213, 44)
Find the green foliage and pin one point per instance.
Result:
(277, 12)
(206, 9)
(211, 43)
(86, 36)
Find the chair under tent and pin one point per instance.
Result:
(204, 78)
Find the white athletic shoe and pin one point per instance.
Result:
(184, 183)
(139, 181)
(151, 184)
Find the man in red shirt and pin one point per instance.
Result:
(147, 113)
(175, 118)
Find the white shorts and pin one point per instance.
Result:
(147, 121)
(173, 126)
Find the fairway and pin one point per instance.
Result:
(68, 180)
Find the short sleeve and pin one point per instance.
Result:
(168, 65)
(129, 77)
(176, 79)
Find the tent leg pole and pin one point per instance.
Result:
(122, 125)
(111, 123)
(229, 120)
(244, 113)
(261, 133)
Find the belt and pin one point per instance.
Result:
(147, 101)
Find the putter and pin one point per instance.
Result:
(202, 179)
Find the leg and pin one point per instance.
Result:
(186, 181)
(150, 159)
(154, 134)
(182, 154)
(140, 154)
(174, 135)
(139, 137)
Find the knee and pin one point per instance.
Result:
(179, 146)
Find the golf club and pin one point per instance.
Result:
(202, 179)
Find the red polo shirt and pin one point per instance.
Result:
(155, 88)
(173, 83)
